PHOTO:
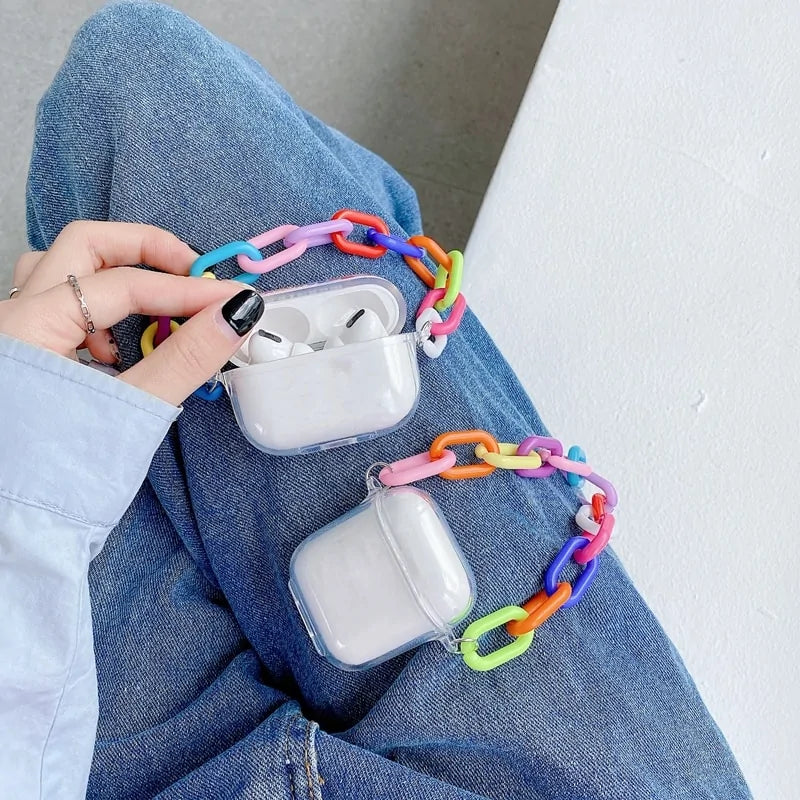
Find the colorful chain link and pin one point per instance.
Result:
(444, 286)
(534, 457)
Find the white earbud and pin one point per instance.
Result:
(270, 346)
(363, 326)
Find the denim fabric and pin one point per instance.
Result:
(209, 685)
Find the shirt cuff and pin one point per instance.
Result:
(73, 440)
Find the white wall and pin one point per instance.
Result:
(637, 258)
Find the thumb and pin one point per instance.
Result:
(191, 355)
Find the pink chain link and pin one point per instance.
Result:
(456, 314)
(566, 464)
(415, 468)
(597, 543)
(279, 259)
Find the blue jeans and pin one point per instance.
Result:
(209, 685)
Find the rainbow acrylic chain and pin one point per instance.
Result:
(444, 287)
(535, 457)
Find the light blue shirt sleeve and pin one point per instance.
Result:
(75, 446)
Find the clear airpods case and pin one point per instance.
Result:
(384, 578)
(325, 366)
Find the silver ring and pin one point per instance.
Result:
(453, 643)
(14, 290)
(87, 317)
(374, 484)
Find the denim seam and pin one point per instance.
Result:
(97, 390)
(30, 502)
(306, 746)
(288, 759)
(292, 760)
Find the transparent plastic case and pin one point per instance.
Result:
(328, 397)
(381, 580)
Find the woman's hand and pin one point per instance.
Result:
(46, 311)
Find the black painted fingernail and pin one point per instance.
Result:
(243, 311)
(112, 343)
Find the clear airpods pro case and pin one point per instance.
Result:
(329, 396)
(384, 578)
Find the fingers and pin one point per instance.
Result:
(103, 347)
(53, 319)
(83, 248)
(25, 266)
(113, 244)
(115, 294)
(191, 355)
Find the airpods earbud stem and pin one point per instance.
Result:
(362, 326)
(268, 346)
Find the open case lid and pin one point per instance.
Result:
(316, 312)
